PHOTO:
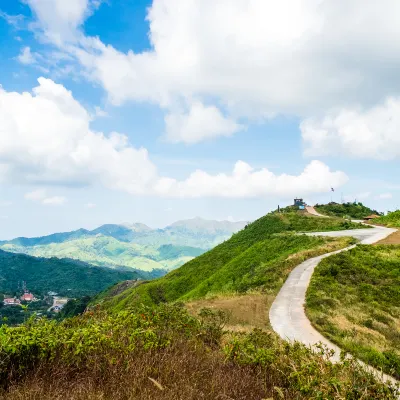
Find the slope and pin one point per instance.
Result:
(260, 256)
(66, 277)
(391, 220)
(345, 210)
(354, 300)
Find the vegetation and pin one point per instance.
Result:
(66, 277)
(258, 257)
(354, 300)
(109, 252)
(166, 354)
(392, 219)
(346, 210)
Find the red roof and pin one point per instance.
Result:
(27, 297)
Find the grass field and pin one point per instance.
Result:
(354, 300)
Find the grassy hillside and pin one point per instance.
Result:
(258, 257)
(163, 353)
(391, 220)
(345, 210)
(66, 277)
(354, 299)
(109, 252)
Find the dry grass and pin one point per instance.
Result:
(245, 312)
(180, 372)
(394, 238)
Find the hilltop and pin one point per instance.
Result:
(346, 210)
(258, 257)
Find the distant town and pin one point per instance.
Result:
(55, 302)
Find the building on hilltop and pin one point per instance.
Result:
(300, 204)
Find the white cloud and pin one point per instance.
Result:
(26, 56)
(40, 196)
(371, 133)
(245, 182)
(199, 123)
(385, 196)
(56, 200)
(15, 20)
(45, 138)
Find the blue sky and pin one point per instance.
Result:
(154, 111)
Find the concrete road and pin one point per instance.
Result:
(287, 315)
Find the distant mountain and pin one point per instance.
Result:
(131, 245)
(66, 277)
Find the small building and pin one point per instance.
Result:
(300, 204)
(371, 217)
(27, 297)
(11, 301)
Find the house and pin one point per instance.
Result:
(27, 297)
(300, 204)
(371, 217)
(11, 301)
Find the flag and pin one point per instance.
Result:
(332, 189)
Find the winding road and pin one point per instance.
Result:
(287, 314)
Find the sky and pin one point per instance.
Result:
(154, 111)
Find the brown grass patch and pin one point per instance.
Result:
(394, 238)
(245, 312)
(180, 372)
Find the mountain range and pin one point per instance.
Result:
(130, 245)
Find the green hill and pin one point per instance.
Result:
(131, 245)
(109, 252)
(354, 300)
(392, 219)
(345, 210)
(258, 257)
(66, 277)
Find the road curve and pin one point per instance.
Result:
(287, 315)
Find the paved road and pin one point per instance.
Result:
(287, 315)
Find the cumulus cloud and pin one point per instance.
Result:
(255, 60)
(199, 123)
(46, 139)
(40, 196)
(371, 133)
(246, 182)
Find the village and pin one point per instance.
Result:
(55, 302)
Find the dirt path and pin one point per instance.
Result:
(287, 314)
(311, 210)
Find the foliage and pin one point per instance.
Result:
(66, 277)
(258, 257)
(346, 210)
(354, 299)
(74, 307)
(392, 219)
(164, 353)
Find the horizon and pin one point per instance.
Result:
(112, 111)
